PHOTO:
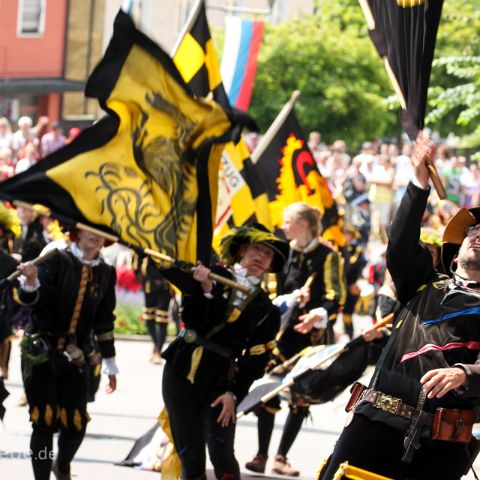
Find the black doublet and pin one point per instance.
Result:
(249, 338)
(327, 289)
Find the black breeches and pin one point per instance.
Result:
(378, 448)
(194, 426)
(57, 397)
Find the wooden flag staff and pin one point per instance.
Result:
(37, 261)
(147, 251)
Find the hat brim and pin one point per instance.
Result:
(454, 234)
(247, 235)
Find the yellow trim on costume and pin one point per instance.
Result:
(77, 420)
(48, 415)
(195, 362)
(347, 319)
(355, 473)
(422, 287)
(327, 276)
(161, 316)
(233, 317)
(277, 353)
(63, 417)
(410, 3)
(271, 410)
(261, 349)
(322, 466)
(16, 298)
(102, 337)
(35, 415)
(171, 468)
(257, 350)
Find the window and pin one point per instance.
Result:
(31, 17)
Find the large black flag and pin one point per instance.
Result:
(404, 33)
(147, 172)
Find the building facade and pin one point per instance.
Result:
(48, 48)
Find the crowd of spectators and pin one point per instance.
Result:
(375, 180)
(22, 148)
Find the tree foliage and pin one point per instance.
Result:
(330, 59)
(455, 92)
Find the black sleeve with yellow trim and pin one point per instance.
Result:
(251, 365)
(328, 289)
(104, 317)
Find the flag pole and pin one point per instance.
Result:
(187, 27)
(147, 251)
(432, 170)
(36, 261)
(274, 127)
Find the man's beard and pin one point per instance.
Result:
(470, 262)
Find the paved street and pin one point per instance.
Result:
(119, 419)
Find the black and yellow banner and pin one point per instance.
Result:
(242, 197)
(290, 173)
(197, 60)
(404, 33)
(148, 171)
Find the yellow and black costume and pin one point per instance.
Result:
(224, 347)
(73, 302)
(158, 294)
(327, 292)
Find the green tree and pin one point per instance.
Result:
(455, 92)
(331, 60)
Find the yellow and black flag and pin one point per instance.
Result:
(242, 197)
(197, 60)
(404, 33)
(290, 173)
(148, 171)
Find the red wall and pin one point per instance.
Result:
(38, 56)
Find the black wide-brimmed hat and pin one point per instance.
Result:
(253, 233)
(454, 234)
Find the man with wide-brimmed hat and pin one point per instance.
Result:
(415, 419)
(222, 349)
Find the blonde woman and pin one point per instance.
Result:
(309, 258)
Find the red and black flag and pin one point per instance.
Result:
(148, 171)
(242, 196)
(289, 171)
(404, 33)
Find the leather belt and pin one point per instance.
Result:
(189, 335)
(392, 405)
(451, 425)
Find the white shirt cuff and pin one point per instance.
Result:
(109, 366)
(289, 299)
(418, 184)
(22, 279)
(321, 312)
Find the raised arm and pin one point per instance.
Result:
(408, 261)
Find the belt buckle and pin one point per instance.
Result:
(387, 403)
